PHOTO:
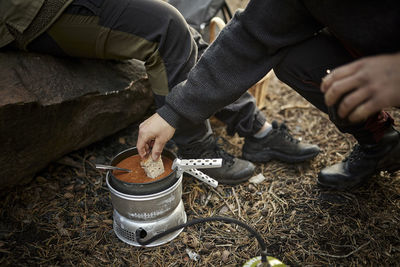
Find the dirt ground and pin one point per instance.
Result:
(64, 216)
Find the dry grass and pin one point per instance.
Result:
(64, 216)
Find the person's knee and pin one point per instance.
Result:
(149, 19)
(280, 71)
(287, 70)
(161, 18)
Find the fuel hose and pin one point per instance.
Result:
(259, 238)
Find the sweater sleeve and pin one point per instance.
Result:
(246, 49)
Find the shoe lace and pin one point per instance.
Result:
(210, 148)
(284, 132)
(356, 154)
(221, 153)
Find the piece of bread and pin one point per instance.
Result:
(151, 167)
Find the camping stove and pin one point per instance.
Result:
(147, 215)
(145, 210)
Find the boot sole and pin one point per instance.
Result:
(270, 155)
(234, 182)
(392, 166)
(230, 181)
(343, 188)
(391, 170)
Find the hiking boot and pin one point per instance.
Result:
(232, 171)
(363, 162)
(278, 144)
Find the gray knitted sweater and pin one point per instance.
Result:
(255, 40)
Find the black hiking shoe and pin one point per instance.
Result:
(233, 170)
(278, 144)
(363, 162)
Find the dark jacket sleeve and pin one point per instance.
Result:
(245, 50)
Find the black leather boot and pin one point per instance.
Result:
(363, 162)
(278, 144)
(233, 170)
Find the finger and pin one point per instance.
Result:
(338, 74)
(142, 144)
(341, 87)
(142, 147)
(148, 146)
(150, 143)
(148, 150)
(157, 149)
(353, 100)
(363, 111)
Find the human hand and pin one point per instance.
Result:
(371, 84)
(154, 133)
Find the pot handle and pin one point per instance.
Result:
(186, 164)
(203, 177)
(190, 166)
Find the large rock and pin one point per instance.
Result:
(51, 106)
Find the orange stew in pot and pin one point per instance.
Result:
(138, 174)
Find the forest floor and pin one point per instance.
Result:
(64, 216)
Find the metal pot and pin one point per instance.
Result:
(142, 188)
